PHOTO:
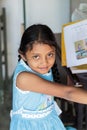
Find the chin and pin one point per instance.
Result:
(43, 72)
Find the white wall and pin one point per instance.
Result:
(13, 31)
(54, 13)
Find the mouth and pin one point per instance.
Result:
(43, 68)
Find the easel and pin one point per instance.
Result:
(81, 110)
(76, 80)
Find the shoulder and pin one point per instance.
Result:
(21, 67)
(27, 80)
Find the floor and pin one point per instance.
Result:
(4, 120)
(5, 107)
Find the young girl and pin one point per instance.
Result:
(33, 83)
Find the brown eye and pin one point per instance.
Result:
(50, 55)
(36, 57)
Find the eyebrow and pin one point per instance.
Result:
(39, 53)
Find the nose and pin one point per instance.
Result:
(44, 61)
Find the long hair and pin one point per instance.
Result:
(42, 34)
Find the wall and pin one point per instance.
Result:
(51, 12)
(13, 21)
(75, 4)
(54, 13)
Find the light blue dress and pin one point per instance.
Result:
(33, 111)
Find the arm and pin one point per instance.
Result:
(31, 82)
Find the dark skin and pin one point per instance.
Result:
(43, 86)
(41, 58)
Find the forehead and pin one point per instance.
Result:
(41, 46)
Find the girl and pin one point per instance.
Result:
(33, 87)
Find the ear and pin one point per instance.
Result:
(23, 57)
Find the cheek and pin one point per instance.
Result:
(52, 61)
(32, 64)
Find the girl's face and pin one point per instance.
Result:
(41, 58)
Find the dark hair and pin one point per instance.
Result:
(37, 33)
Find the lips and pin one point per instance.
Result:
(43, 68)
